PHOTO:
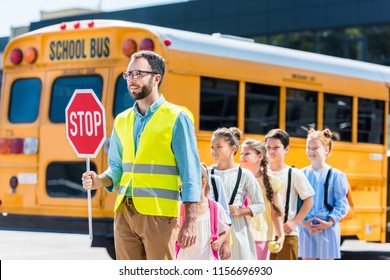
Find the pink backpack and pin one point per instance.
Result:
(213, 208)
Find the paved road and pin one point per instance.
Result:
(20, 245)
(362, 250)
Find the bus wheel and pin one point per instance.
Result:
(110, 247)
(106, 242)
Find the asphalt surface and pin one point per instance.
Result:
(362, 250)
(24, 245)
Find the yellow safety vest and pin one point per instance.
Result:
(152, 172)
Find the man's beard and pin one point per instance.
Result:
(146, 90)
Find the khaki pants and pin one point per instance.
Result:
(289, 250)
(143, 237)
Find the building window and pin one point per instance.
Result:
(378, 44)
(301, 41)
(331, 42)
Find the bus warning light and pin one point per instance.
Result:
(91, 24)
(17, 145)
(129, 47)
(63, 26)
(167, 42)
(147, 45)
(5, 146)
(16, 56)
(31, 55)
(76, 25)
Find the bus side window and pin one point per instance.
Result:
(338, 116)
(122, 99)
(301, 111)
(261, 108)
(63, 179)
(371, 121)
(218, 103)
(24, 100)
(63, 89)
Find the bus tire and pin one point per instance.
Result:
(106, 242)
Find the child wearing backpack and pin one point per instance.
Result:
(319, 234)
(297, 188)
(263, 226)
(211, 224)
(238, 183)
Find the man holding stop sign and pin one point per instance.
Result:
(152, 145)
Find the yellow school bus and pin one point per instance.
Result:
(224, 80)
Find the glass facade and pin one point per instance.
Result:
(368, 43)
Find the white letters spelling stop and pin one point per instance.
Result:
(85, 123)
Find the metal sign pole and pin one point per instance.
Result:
(89, 203)
(85, 131)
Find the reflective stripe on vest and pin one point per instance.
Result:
(150, 168)
(152, 172)
(152, 192)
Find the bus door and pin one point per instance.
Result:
(19, 128)
(60, 169)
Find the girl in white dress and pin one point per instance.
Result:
(204, 244)
(224, 145)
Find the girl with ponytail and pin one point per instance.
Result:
(238, 184)
(319, 234)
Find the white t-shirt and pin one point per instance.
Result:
(299, 186)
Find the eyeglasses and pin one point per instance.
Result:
(135, 74)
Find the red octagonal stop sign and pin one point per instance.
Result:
(85, 123)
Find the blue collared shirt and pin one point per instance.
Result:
(184, 148)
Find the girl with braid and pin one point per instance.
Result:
(254, 157)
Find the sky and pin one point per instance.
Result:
(15, 13)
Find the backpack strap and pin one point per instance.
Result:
(236, 187)
(214, 224)
(326, 185)
(214, 184)
(288, 193)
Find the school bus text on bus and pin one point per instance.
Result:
(80, 49)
